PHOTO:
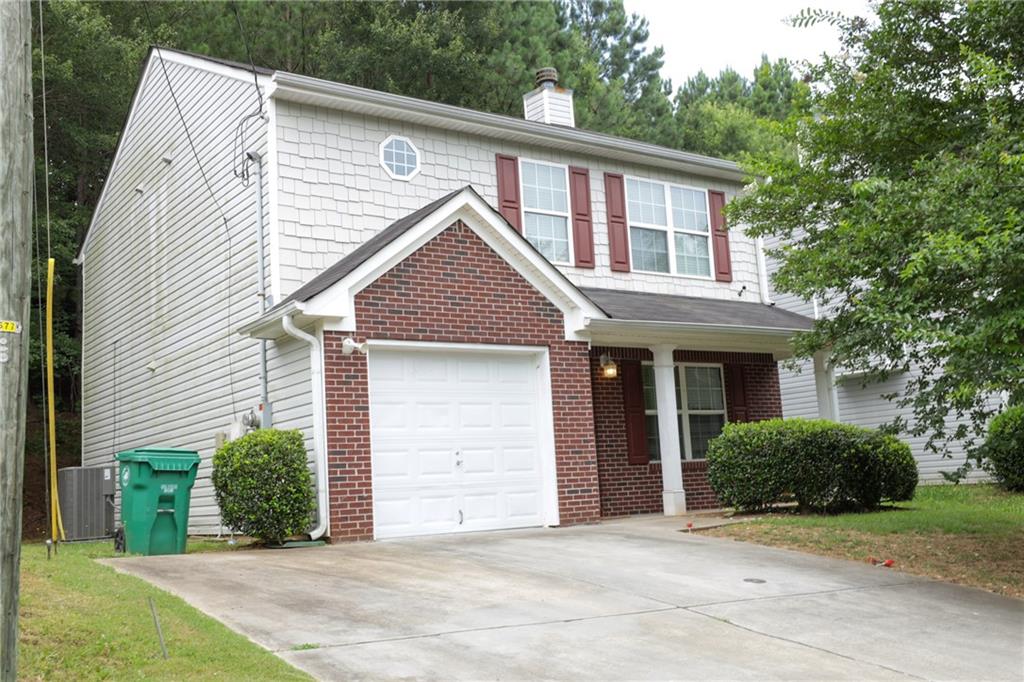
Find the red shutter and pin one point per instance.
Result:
(633, 403)
(736, 393)
(720, 237)
(618, 237)
(582, 222)
(508, 190)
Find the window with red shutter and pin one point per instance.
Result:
(582, 221)
(508, 190)
(618, 236)
(720, 236)
(736, 389)
(633, 404)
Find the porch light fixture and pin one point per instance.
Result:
(609, 370)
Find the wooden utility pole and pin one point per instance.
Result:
(15, 290)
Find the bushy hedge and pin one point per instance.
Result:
(1004, 449)
(263, 484)
(823, 465)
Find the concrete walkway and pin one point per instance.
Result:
(632, 599)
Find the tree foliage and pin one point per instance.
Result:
(480, 55)
(904, 210)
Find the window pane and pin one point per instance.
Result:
(550, 234)
(704, 427)
(689, 209)
(650, 249)
(647, 377)
(646, 202)
(400, 158)
(544, 187)
(704, 388)
(692, 257)
(653, 442)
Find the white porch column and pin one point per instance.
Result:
(673, 497)
(825, 386)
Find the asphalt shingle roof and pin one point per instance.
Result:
(646, 307)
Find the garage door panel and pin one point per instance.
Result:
(455, 441)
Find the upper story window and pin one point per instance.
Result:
(669, 229)
(546, 209)
(400, 158)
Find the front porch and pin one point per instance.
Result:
(660, 395)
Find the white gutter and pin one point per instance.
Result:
(642, 325)
(319, 423)
(297, 88)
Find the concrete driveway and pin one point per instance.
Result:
(630, 599)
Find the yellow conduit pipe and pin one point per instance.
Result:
(56, 523)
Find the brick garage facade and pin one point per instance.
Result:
(455, 289)
(636, 488)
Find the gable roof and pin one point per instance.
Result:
(646, 307)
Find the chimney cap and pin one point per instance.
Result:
(545, 76)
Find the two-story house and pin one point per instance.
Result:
(477, 321)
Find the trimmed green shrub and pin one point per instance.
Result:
(823, 465)
(263, 484)
(899, 468)
(1004, 449)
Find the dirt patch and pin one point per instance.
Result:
(993, 563)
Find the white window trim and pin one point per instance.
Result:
(392, 174)
(523, 210)
(669, 229)
(682, 410)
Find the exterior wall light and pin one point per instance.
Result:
(609, 370)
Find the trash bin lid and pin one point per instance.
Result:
(162, 459)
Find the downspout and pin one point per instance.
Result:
(266, 411)
(319, 421)
(762, 272)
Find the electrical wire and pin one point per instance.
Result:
(42, 356)
(240, 161)
(213, 196)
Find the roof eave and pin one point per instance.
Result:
(315, 91)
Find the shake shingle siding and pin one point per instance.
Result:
(334, 195)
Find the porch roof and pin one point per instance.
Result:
(690, 310)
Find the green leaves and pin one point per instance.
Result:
(904, 213)
(263, 484)
(1004, 449)
(823, 465)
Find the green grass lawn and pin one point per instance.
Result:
(969, 534)
(81, 620)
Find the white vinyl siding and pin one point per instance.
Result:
(682, 248)
(162, 361)
(545, 193)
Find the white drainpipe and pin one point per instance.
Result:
(762, 272)
(319, 423)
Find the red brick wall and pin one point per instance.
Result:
(455, 289)
(636, 488)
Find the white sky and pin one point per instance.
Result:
(714, 34)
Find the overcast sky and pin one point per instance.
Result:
(712, 35)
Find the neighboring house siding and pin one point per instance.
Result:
(860, 405)
(334, 195)
(156, 331)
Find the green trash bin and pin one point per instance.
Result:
(156, 487)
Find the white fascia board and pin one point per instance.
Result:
(318, 92)
(156, 54)
(723, 337)
(337, 302)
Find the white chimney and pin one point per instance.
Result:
(549, 102)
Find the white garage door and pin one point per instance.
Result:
(455, 437)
